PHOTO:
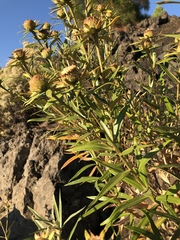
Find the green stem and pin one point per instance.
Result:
(129, 166)
(25, 68)
(98, 52)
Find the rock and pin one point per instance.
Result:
(127, 54)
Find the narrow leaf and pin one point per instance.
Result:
(112, 182)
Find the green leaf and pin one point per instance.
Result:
(143, 161)
(121, 208)
(143, 232)
(166, 215)
(153, 226)
(171, 35)
(168, 105)
(57, 210)
(81, 171)
(128, 151)
(133, 182)
(83, 180)
(118, 123)
(115, 167)
(170, 74)
(73, 215)
(95, 208)
(106, 130)
(141, 224)
(87, 146)
(109, 185)
(168, 199)
(176, 234)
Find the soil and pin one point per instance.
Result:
(30, 164)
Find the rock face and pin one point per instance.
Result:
(30, 164)
(126, 53)
(30, 167)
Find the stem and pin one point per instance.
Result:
(69, 108)
(98, 52)
(128, 165)
(24, 67)
(37, 39)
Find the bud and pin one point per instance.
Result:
(76, 33)
(55, 1)
(46, 26)
(100, 7)
(18, 54)
(46, 53)
(91, 24)
(61, 14)
(43, 34)
(54, 34)
(70, 74)
(146, 44)
(109, 13)
(148, 33)
(29, 25)
(37, 83)
(61, 2)
(176, 40)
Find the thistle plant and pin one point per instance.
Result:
(129, 136)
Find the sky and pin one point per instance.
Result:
(13, 13)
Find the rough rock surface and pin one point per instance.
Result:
(30, 164)
(126, 53)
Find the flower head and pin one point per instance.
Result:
(29, 25)
(92, 24)
(100, 7)
(54, 34)
(43, 34)
(61, 14)
(18, 54)
(109, 13)
(46, 53)
(37, 83)
(146, 44)
(46, 26)
(148, 33)
(70, 74)
(61, 2)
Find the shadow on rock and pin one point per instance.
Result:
(20, 228)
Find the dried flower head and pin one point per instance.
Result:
(43, 34)
(176, 40)
(29, 25)
(46, 26)
(46, 53)
(37, 83)
(109, 13)
(61, 2)
(54, 34)
(148, 33)
(70, 74)
(92, 24)
(100, 7)
(146, 44)
(61, 14)
(18, 54)
(76, 33)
